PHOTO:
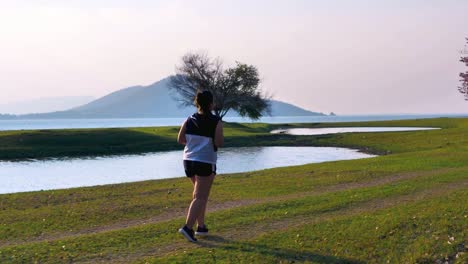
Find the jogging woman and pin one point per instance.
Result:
(202, 134)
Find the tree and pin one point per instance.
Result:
(464, 75)
(234, 88)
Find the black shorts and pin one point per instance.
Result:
(193, 168)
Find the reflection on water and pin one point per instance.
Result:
(68, 173)
(336, 130)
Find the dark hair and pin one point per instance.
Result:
(203, 101)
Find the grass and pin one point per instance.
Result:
(407, 206)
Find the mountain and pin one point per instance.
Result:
(44, 105)
(155, 100)
(279, 108)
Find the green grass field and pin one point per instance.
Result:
(406, 206)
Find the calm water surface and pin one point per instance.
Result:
(68, 173)
(154, 122)
(336, 130)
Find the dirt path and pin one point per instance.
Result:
(214, 207)
(261, 228)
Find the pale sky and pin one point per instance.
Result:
(350, 57)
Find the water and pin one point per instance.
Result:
(336, 130)
(67, 173)
(154, 122)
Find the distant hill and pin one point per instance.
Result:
(44, 105)
(154, 100)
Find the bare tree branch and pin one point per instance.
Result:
(233, 88)
(463, 89)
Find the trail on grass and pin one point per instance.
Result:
(260, 228)
(216, 206)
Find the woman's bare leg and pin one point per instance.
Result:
(197, 208)
(201, 218)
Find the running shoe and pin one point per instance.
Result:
(201, 231)
(188, 233)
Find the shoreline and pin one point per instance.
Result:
(92, 142)
(41, 176)
(54, 124)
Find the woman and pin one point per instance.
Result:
(202, 134)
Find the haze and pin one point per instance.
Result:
(350, 57)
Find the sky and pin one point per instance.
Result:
(349, 57)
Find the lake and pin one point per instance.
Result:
(155, 122)
(50, 174)
(336, 130)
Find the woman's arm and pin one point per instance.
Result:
(181, 137)
(219, 135)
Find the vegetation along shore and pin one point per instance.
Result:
(406, 206)
(37, 144)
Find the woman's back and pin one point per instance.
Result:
(200, 133)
